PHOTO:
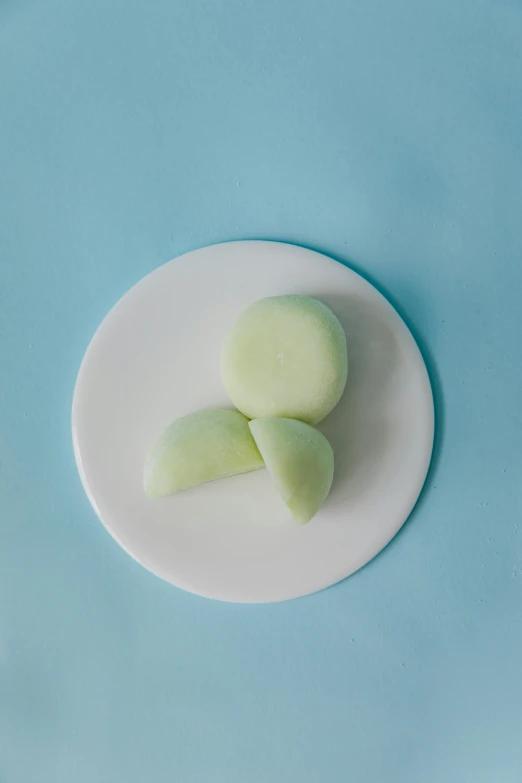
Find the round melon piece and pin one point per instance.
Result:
(202, 446)
(300, 461)
(285, 356)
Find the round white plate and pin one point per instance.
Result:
(156, 357)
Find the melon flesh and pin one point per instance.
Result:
(286, 357)
(299, 460)
(200, 447)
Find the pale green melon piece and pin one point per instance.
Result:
(300, 461)
(285, 356)
(202, 446)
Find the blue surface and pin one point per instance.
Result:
(386, 134)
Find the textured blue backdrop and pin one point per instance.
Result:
(386, 134)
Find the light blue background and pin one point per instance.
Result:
(388, 134)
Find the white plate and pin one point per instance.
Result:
(155, 357)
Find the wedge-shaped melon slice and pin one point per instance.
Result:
(300, 461)
(203, 446)
(285, 356)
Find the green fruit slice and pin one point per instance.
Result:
(300, 461)
(203, 446)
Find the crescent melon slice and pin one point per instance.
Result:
(300, 461)
(200, 447)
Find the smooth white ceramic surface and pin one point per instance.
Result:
(156, 357)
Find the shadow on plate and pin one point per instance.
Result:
(372, 362)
